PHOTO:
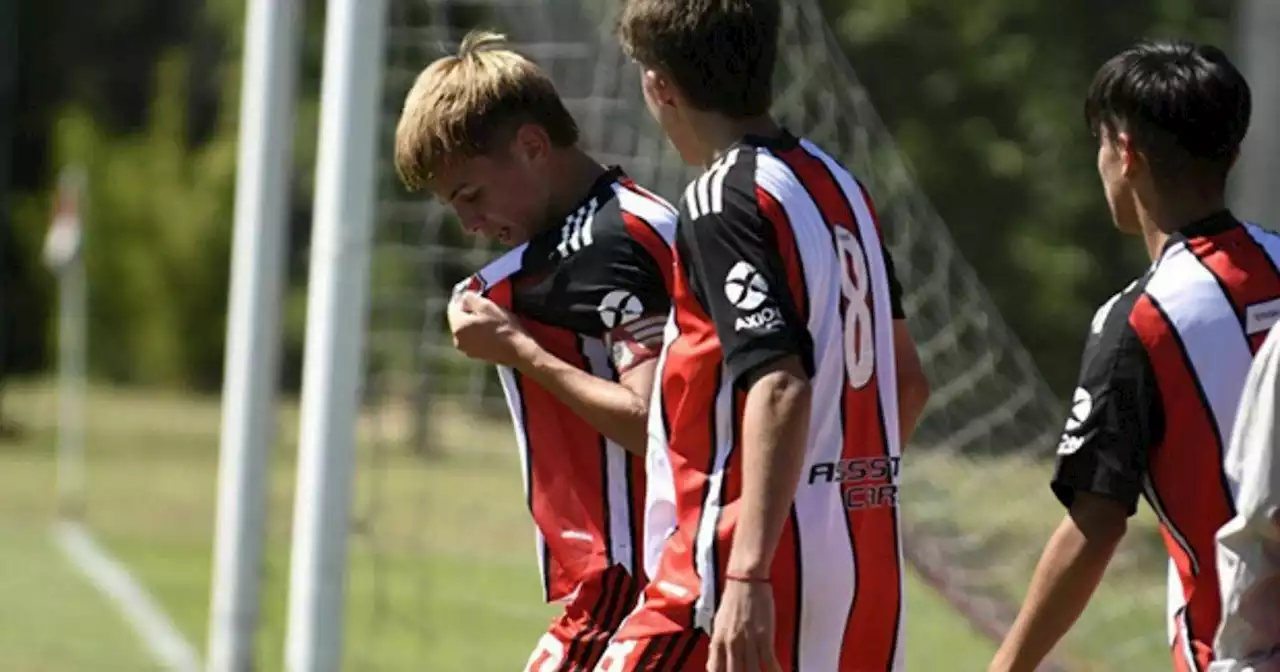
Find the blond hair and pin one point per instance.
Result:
(465, 105)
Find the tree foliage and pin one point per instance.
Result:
(984, 98)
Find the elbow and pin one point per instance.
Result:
(636, 440)
(785, 388)
(914, 390)
(1101, 521)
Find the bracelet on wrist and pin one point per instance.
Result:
(744, 578)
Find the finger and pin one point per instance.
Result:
(733, 656)
(481, 304)
(467, 301)
(715, 659)
(767, 655)
(749, 655)
(455, 311)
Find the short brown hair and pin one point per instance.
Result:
(470, 104)
(720, 53)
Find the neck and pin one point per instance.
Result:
(718, 133)
(579, 173)
(1162, 217)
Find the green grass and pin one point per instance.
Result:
(50, 619)
(1001, 512)
(442, 575)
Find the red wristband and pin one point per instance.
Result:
(743, 578)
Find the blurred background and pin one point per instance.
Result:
(964, 119)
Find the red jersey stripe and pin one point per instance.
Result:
(870, 639)
(1178, 469)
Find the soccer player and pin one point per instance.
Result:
(1166, 358)
(1249, 544)
(572, 315)
(788, 381)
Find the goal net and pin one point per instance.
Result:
(442, 547)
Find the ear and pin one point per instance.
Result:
(531, 144)
(1131, 160)
(660, 88)
(1235, 156)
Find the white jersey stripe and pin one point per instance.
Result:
(825, 602)
(717, 180)
(705, 558)
(511, 390)
(651, 212)
(886, 361)
(1219, 355)
(660, 485)
(620, 551)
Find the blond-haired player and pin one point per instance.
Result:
(572, 316)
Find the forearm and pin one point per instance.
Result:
(911, 405)
(774, 427)
(913, 384)
(1065, 579)
(611, 408)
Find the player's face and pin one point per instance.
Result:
(501, 196)
(1116, 167)
(663, 101)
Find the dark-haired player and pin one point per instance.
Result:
(573, 317)
(787, 387)
(1166, 359)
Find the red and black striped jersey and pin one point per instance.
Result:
(587, 290)
(1163, 369)
(779, 253)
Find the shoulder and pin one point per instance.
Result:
(642, 214)
(1112, 329)
(1181, 294)
(726, 190)
(620, 226)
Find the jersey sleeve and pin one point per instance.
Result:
(731, 253)
(1115, 415)
(626, 279)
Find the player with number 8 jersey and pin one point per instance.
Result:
(778, 253)
(787, 381)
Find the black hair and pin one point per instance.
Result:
(1183, 105)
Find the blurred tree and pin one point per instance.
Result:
(145, 93)
(985, 97)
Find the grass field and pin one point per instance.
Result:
(442, 574)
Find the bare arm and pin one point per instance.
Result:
(618, 410)
(913, 386)
(1069, 571)
(774, 429)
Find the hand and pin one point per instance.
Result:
(742, 638)
(483, 330)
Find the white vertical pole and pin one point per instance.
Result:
(1255, 180)
(64, 254)
(341, 237)
(263, 173)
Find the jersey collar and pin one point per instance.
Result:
(601, 192)
(783, 141)
(1219, 222)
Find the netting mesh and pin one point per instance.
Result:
(975, 503)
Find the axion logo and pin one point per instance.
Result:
(619, 307)
(1081, 409)
(745, 288)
